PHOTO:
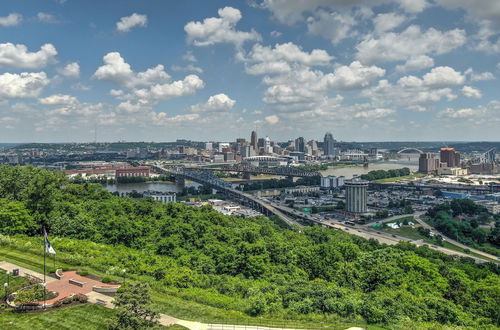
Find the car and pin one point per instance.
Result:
(394, 235)
(434, 246)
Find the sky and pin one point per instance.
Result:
(365, 70)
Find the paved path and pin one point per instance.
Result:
(23, 271)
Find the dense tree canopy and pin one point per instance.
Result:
(251, 265)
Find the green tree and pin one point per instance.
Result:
(134, 310)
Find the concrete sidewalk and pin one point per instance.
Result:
(23, 271)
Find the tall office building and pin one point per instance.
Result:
(253, 140)
(450, 157)
(328, 144)
(427, 163)
(356, 194)
(300, 144)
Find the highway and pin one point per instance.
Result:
(366, 232)
(288, 215)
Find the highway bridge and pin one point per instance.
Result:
(288, 171)
(208, 178)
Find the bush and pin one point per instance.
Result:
(106, 279)
(67, 300)
(80, 298)
(82, 272)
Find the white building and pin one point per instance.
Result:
(161, 196)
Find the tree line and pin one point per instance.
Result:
(249, 265)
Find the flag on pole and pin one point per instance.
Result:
(48, 247)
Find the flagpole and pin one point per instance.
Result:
(44, 257)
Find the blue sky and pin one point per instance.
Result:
(214, 70)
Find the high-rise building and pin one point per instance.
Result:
(253, 140)
(328, 144)
(450, 157)
(300, 144)
(356, 195)
(427, 163)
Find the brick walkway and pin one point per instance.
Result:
(65, 288)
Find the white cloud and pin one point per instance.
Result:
(23, 85)
(189, 57)
(413, 6)
(72, 70)
(11, 20)
(162, 119)
(480, 9)
(188, 67)
(416, 63)
(275, 34)
(291, 12)
(356, 75)
(460, 114)
(18, 56)
(47, 18)
(120, 72)
(473, 76)
(333, 26)
(127, 23)
(471, 92)
(443, 76)
(272, 119)
(276, 60)
(220, 29)
(410, 43)
(159, 92)
(387, 21)
(58, 99)
(215, 103)
(374, 114)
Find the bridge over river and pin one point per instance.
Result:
(208, 178)
(288, 171)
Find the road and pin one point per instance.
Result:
(366, 232)
(454, 242)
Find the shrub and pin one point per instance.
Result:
(80, 298)
(67, 300)
(82, 272)
(106, 279)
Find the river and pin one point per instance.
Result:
(348, 172)
(351, 171)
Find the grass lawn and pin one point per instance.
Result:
(406, 177)
(166, 303)
(87, 316)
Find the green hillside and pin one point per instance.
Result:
(236, 267)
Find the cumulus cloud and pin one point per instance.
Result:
(127, 23)
(18, 56)
(475, 76)
(416, 63)
(220, 29)
(461, 113)
(47, 18)
(374, 114)
(188, 67)
(11, 20)
(387, 21)
(216, 103)
(356, 75)
(58, 99)
(272, 119)
(72, 70)
(23, 85)
(471, 92)
(407, 44)
(333, 26)
(291, 12)
(443, 76)
(118, 71)
(159, 92)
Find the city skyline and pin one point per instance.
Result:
(422, 70)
